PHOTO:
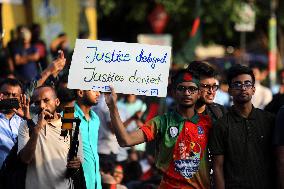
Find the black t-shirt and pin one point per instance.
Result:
(278, 139)
(246, 144)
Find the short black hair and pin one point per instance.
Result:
(48, 86)
(11, 82)
(237, 70)
(202, 68)
(66, 95)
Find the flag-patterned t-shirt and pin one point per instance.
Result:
(181, 149)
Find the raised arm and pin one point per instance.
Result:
(123, 137)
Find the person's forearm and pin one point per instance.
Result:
(27, 153)
(44, 76)
(119, 129)
(218, 175)
(33, 57)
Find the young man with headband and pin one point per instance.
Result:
(181, 136)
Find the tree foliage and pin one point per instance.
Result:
(217, 18)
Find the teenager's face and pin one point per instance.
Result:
(186, 94)
(242, 89)
(208, 89)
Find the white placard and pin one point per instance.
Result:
(131, 68)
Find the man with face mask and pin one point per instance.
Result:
(241, 141)
(89, 127)
(45, 149)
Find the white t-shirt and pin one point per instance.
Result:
(48, 168)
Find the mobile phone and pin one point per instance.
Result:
(9, 103)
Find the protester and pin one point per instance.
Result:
(10, 119)
(108, 147)
(181, 136)
(40, 45)
(108, 180)
(263, 94)
(208, 88)
(89, 128)
(44, 149)
(26, 57)
(278, 99)
(240, 141)
(278, 141)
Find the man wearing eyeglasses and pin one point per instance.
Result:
(208, 88)
(241, 141)
(180, 136)
(10, 118)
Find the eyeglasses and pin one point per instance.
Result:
(208, 87)
(246, 85)
(190, 89)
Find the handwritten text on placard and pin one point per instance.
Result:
(130, 67)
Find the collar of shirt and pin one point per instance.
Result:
(238, 118)
(53, 123)
(15, 116)
(194, 119)
(81, 113)
(56, 123)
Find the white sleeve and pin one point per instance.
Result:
(23, 135)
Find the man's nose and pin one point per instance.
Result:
(41, 105)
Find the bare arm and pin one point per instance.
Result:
(280, 165)
(123, 137)
(53, 69)
(21, 60)
(218, 173)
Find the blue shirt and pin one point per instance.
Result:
(8, 134)
(89, 134)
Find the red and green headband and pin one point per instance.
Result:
(185, 77)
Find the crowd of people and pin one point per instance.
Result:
(209, 132)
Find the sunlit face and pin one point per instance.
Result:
(45, 98)
(118, 173)
(242, 89)
(208, 89)
(186, 94)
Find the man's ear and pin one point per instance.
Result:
(80, 93)
(57, 102)
(253, 90)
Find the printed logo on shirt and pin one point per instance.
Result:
(189, 163)
(200, 130)
(173, 131)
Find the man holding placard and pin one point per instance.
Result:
(181, 136)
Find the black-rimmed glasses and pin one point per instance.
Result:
(246, 85)
(190, 89)
(208, 87)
